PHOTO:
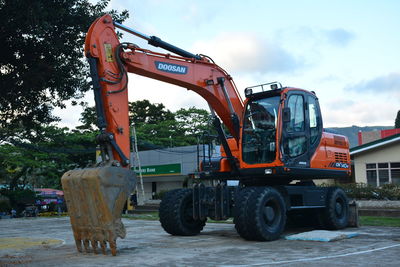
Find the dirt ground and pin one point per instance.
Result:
(49, 242)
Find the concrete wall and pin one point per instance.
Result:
(161, 186)
(164, 186)
(389, 153)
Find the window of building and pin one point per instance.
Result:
(383, 173)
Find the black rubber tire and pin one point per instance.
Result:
(266, 202)
(336, 214)
(240, 218)
(176, 213)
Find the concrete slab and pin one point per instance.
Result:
(322, 236)
(146, 244)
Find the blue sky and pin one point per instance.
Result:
(345, 51)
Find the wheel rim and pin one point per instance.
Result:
(271, 213)
(187, 212)
(339, 208)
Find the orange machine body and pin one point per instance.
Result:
(200, 76)
(331, 153)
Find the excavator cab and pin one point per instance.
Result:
(296, 132)
(282, 136)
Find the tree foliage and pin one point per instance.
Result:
(142, 111)
(397, 120)
(41, 158)
(157, 126)
(193, 121)
(88, 119)
(41, 163)
(41, 63)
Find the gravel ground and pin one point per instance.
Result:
(49, 242)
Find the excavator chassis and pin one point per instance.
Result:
(95, 198)
(259, 212)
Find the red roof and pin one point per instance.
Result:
(49, 191)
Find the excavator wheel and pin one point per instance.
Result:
(336, 214)
(240, 218)
(266, 214)
(95, 198)
(176, 213)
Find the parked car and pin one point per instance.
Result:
(30, 211)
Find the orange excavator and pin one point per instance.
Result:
(274, 146)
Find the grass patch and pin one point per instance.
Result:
(379, 221)
(52, 214)
(151, 216)
(229, 221)
(364, 220)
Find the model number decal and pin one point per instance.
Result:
(339, 165)
(171, 68)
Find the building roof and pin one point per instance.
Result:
(375, 144)
(49, 191)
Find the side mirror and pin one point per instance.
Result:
(286, 114)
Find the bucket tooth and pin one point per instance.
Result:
(103, 245)
(86, 245)
(95, 198)
(113, 247)
(78, 243)
(94, 246)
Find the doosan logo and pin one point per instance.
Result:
(171, 68)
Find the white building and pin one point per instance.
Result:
(378, 162)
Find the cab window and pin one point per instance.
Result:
(296, 105)
(297, 144)
(313, 114)
(259, 130)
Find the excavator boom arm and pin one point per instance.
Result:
(192, 72)
(95, 196)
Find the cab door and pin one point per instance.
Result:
(296, 131)
(314, 123)
(302, 129)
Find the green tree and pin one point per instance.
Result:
(88, 119)
(40, 162)
(41, 62)
(193, 121)
(397, 120)
(158, 127)
(155, 125)
(142, 111)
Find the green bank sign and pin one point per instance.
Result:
(166, 169)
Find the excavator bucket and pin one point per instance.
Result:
(95, 198)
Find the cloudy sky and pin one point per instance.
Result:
(348, 52)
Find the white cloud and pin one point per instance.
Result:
(383, 84)
(246, 52)
(71, 114)
(317, 37)
(173, 97)
(338, 36)
(361, 111)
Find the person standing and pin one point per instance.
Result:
(13, 213)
